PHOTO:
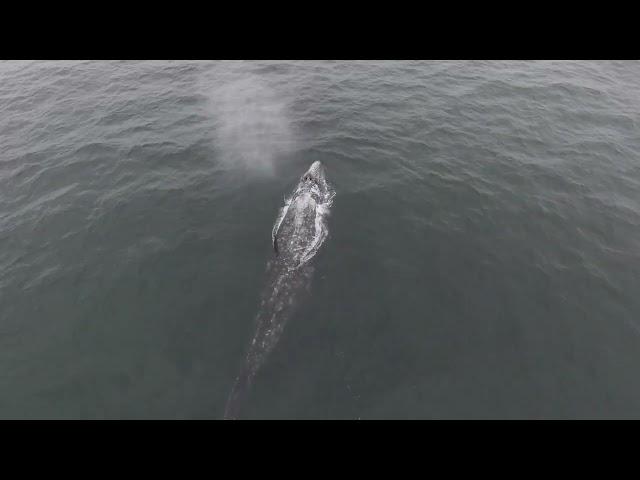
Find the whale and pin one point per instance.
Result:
(300, 229)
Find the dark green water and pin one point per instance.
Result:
(483, 259)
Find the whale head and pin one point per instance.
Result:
(315, 174)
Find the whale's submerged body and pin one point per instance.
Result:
(298, 233)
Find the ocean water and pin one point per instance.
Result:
(483, 258)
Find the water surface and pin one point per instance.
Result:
(483, 259)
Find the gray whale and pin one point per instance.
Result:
(298, 233)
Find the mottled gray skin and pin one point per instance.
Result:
(297, 235)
